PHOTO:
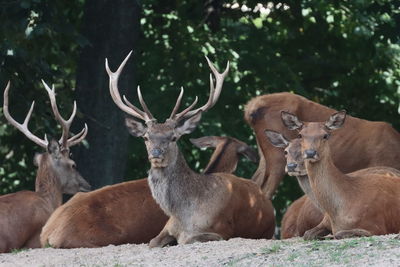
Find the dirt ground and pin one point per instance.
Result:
(370, 251)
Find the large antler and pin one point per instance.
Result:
(213, 98)
(65, 124)
(24, 126)
(127, 106)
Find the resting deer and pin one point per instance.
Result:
(358, 205)
(200, 207)
(360, 144)
(303, 214)
(94, 219)
(23, 214)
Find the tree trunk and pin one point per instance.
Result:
(112, 29)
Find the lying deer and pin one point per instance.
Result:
(351, 150)
(94, 219)
(303, 215)
(23, 214)
(200, 207)
(361, 204)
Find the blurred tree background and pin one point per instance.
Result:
(343, 54)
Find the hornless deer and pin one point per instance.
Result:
(94, 219)
(360, 144)
(23, 214)
(303, 215)
(359, 205)
(200, 207)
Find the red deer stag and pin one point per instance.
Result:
(94, 219)
(351, 150)
(23, 214)
(200, 207)
(358, 205)
(303, 215)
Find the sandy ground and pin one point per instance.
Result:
(371, 251)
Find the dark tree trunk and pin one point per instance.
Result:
(112, 29)
(212, 13)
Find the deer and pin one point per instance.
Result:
(23, 214)
(200, 207)
(362, 204)
(351, 150)
(304, 214)
(93, 219)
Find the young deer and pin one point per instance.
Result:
(23, 214)
(226, 153)
(200, 207)
(361, 204)
(303, 214)
(94, 219)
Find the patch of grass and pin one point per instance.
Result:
(18, 250)
(273, 249)
(293, 256)
(48, 246)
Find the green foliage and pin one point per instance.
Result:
(344, 54)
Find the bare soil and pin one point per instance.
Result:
(370, 251)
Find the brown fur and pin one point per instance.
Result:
(23, 214)
(359, 205)
(379, 145)
(303, 214)
(117, 214)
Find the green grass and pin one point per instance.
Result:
(18, 250)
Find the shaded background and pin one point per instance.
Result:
(343, 54)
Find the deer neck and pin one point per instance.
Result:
(328, 184)
(48, 185)
(304, 183)
(173, 187)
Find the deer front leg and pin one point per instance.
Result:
(351, 233)
(164, 237)
(319, 231)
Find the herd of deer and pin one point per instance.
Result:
(349, 169)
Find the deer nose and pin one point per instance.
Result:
(310, 153)
(291, 166)
(156, 152)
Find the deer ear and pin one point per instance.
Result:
(189, 125)
(291, 121)
(135, 128)
(248, 152)
(276, 139)
(336, 120)
(205, 141)
(53, 148)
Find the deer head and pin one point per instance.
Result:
(314, 135)
(57, 155)
(161, 138)
(292, 150)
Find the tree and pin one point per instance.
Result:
(111, 28)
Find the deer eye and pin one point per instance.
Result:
(285, 152)
(299, 136)
(326, 136)
(145, 138)
(173, 139)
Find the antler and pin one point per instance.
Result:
(65, 124)
(213, 98)
(128, 107)
(24, 126)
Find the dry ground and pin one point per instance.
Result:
(371, 251)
